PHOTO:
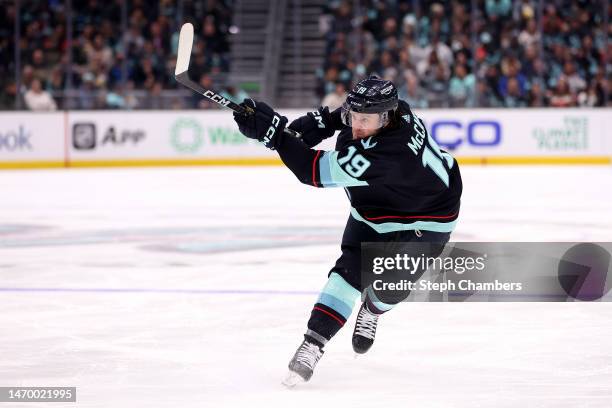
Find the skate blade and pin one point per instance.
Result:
(292, 379)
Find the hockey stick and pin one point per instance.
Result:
(182, 76)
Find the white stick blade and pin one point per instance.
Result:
(184, 48)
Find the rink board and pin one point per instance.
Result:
(167, 138)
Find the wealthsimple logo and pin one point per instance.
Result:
(186, 135)
(573, 134)
(226, 136)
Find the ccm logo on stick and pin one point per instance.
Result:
(217, 98)
(478, 133)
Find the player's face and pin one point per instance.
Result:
(363, 133)
(364, 124)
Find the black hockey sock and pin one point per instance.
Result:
(333, 307)
(323, 324)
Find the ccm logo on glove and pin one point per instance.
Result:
(319, 119)
(271, 130)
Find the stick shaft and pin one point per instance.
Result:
(184, 79)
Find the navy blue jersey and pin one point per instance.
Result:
(398, 179)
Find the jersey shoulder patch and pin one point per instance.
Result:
(367, 143)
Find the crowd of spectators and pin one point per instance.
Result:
(485, 53)
(108, 66)
(501, 53)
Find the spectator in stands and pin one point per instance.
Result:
(416, 52)
(524, 9)
(575, 82)
(362, 45)
(37, 99)
(335, 99)
(588, 98)
(489, 90)
(8, 95)
(498, 8)
(529, 63)
(386, 67)
(588, 57)
(511, 70)
(145, 74)
(27, 76)
(342, 22)
(442, 51)
(98, 52)
(389, 34)
(332, 76)
(561, 97)
(535, 97)
(601, 83)
(411, 92)
(216, 45)
(461, 87)
(98, 71)
(437, 87)
(513, 97)
(40, 66)
(529, 37)
(426, 69)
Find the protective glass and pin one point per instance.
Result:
(366, 121)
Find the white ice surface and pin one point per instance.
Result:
(191, 287)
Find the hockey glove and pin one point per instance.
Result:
(318, 125)
(264, 125)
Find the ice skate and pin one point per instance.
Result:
(303, 363)
(365, 330)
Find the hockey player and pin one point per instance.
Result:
(402, 188)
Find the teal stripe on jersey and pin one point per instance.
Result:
(332, 175)
(385, 227)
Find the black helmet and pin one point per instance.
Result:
(371, 95)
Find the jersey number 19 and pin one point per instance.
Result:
(354, 164)
(433, 159)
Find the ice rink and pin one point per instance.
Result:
(191, 287)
